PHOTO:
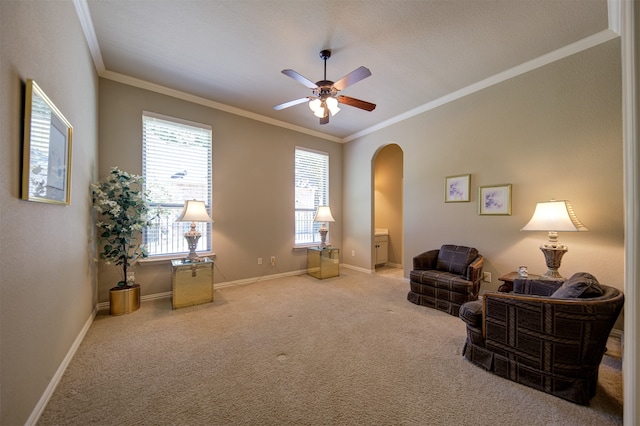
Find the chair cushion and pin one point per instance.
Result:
(455, 259)
(581, 284)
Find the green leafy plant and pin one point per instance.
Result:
(123, 213)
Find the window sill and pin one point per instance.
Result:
(305, 246)
(169, 258)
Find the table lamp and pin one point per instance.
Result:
(323, 215)
(553, 217)
(194, 211)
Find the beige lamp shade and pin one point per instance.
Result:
(553, 217)
(194, 211)
(323, 215)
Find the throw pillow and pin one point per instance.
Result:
(581, 284)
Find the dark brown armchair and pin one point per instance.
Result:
(547, 335)
(446, 278)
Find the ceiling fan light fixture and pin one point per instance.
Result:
(315, 104)
(321, 112)
(332, 104)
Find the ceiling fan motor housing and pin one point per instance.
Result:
(325, 88)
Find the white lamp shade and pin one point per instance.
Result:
(557, 216)
(194, 211)
(323, 215)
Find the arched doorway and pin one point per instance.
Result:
(388, 232)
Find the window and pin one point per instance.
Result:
(176, 166)
(311, 191)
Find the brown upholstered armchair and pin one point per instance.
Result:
(444, 279)
(547, 335)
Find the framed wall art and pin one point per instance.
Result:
(456, 189)
(495, 200)
(46, 168)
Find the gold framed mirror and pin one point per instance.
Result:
(46, 168)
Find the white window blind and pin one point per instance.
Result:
(311, 191)
(176, 165)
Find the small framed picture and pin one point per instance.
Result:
(495, 200)
(456, 189)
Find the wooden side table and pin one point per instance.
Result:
(509, 279)
(192, 283)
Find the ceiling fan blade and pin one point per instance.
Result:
(290, 103)
(325, 119)
(352, 78)
(300, 79)
(356, 103)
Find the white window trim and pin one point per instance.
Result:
(304, 245)
(208, 128)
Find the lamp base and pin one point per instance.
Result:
(323, 237)
(192, 241)
(553, 256)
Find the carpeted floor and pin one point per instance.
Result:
(349, 350)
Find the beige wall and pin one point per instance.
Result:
(253, 175)
(47, 276)
(554, 132)
(388, 184)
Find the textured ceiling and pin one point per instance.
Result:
(232, 52)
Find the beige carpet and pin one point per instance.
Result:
(349, 350)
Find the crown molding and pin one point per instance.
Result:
(615, 16)
(556, 55)
(82, 9)
(143, 84)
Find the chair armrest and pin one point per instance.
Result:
(474, 270)
(426, 260)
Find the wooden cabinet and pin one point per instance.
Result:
(382, 249)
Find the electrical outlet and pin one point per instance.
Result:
(353, 252)
(486, 277)
(273, 260)
(259, 261)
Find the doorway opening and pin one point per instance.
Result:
(388, 232)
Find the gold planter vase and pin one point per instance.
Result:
(124, 300)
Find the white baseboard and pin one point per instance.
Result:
(357, 268)
(55, 380)
(169, 294)
(392, 265)
(258, 279)
(165, 295)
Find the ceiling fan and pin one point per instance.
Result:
(325, 98)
